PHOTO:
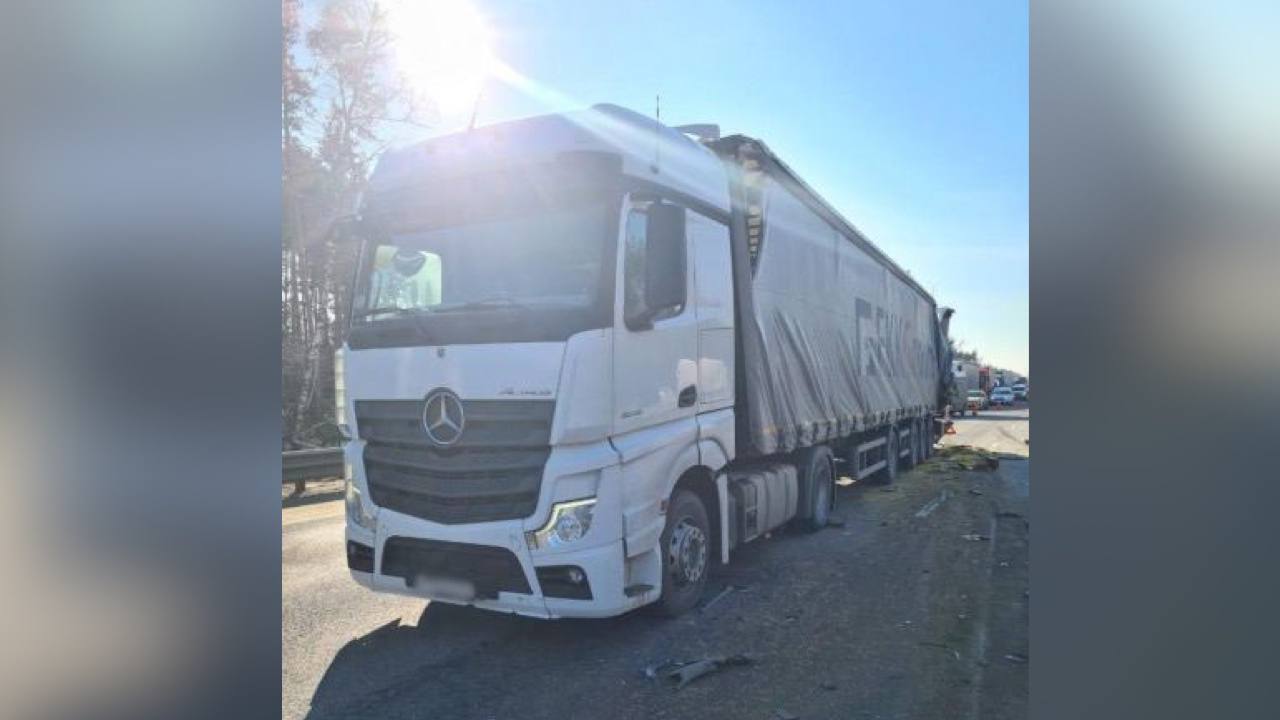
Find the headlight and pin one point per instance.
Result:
(357, 513)
(569, 522)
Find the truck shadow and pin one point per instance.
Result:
(455, 655)
(461, 661)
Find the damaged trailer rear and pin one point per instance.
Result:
(835, 338)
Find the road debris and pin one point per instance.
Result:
(933, 504)
(974, 537)
(718, 597)
(965, 457)
(684, 672)
(652, 671)
(955, 653)
(975, 491)
(1016, 658)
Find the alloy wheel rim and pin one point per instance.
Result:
(687, 552)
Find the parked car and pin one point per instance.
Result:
(975, 401)
(1002, 396)
(1020, 391)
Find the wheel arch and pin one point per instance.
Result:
(710, 488)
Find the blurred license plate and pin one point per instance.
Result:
(446, 588)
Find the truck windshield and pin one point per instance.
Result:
(488, 268)
(543, 258)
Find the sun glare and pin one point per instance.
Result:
(443, 48)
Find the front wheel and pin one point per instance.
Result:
(686, 554)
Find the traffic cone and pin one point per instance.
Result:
(951, 428)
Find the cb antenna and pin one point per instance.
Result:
(657, 133)
(475, 109)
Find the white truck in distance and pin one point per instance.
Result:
(590, 355)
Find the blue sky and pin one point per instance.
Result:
(910, 117)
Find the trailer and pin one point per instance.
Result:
(840, 344)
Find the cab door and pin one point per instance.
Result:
(656, 337)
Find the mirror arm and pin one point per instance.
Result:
(644, 321)
(641, 322)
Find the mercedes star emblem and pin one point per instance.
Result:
(442, 417)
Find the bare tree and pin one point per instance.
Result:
(336, 117)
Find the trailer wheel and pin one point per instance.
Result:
(917, 450)
(891, 456)
(817, 480)
(686, 554)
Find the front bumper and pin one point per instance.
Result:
(603, 566)
(488, 554)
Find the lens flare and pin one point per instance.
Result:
(443, 47)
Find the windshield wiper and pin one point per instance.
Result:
(413, 313)
(390, 311)
(492, 302)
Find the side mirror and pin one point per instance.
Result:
(665, 258)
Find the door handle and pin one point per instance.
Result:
(688, 396)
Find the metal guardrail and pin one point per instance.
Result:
(299, 466)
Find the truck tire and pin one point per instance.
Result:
(686, 554)
(817, 487)
(910, 462)
(890, 472)
(917, 449)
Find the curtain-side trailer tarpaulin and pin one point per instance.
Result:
(835, 338)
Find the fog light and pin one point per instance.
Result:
(569, 582)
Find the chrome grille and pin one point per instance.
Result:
(493, 471)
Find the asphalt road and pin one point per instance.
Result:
(894, 615)
(1002, 431)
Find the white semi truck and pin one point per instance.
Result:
(590, 355)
